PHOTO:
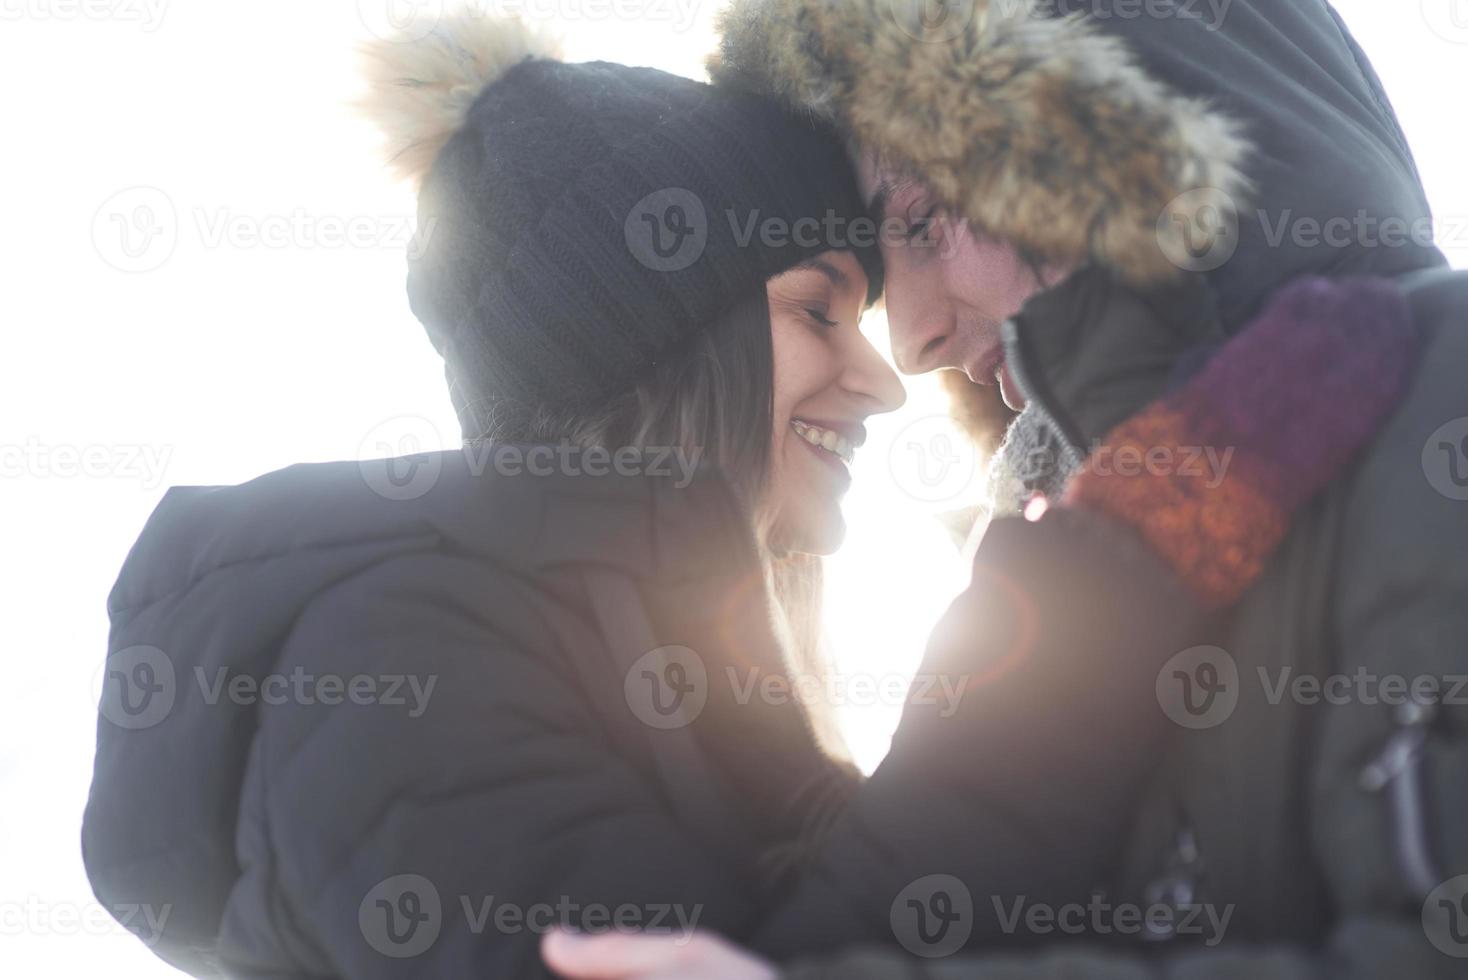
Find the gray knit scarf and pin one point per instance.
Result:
(1032, 459)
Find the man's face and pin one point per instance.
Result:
(948, 290)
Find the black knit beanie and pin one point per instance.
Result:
(580, 221)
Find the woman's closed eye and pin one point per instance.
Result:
(818, 315)
(822, 293)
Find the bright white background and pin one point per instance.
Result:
(241, 338)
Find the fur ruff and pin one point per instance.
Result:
(1041, 130)
(419, 89)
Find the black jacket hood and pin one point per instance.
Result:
(1335, 189)
(1248, 139)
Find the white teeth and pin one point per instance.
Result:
(827, 439)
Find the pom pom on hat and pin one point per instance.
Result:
(419, 89)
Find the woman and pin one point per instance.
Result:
(402, 716)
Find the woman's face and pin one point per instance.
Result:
(828, 380)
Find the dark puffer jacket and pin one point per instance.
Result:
(356, 710)
(1325, 820)
(1306, 820)
(396, 718)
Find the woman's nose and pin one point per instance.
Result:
(871, 376)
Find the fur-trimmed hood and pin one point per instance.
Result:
(1209, 137)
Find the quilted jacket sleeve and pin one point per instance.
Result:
(1030, 727)
(441, 835)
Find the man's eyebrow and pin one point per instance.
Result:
(838, 278)
(877, 206)
(882, 196)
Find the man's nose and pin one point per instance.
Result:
(921, 327)
(920, 345)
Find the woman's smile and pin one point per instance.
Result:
(830, 442)
(829, 452)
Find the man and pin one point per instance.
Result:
(1234, 197)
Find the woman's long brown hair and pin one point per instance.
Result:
(713, 396)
